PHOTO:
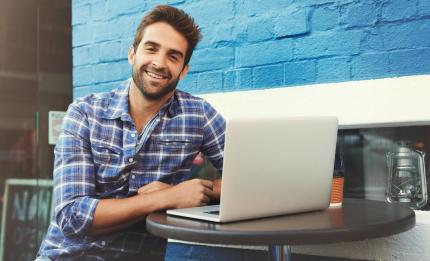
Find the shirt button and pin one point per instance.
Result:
(133, 135)
(103, 243)
(130, 160)
(133, 176)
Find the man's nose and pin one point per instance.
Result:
(159, 61)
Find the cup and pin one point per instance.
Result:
(336, 191)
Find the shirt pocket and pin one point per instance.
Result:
(106, 155)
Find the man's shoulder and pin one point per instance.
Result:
(93, 102)
(188, 101)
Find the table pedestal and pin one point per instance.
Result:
(280, 253)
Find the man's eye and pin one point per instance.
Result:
(150, 49)
(173, 57)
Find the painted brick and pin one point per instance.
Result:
(265, 53)
(423, 7)
(407, 35)
(212, 59)
(238, 79)
(368, 65)
(81, 14)
(398, 9)
(82, 75)
(110, 51)
(372, 40)
(298, 73)
(260, 7)
(116, 71)
(324, 18)
(219, 35)
(317, 2)
(98, 10)
(213, 12)
(116, 8)
(103, 32)
(332, 43)
(259, 29)
(85, 90)
(268, 76)
(333, 69)
(410, 62)
(291, 21)
(128, 25)
(82, 35)
(359, 14)
(80, 55)
(125, 45)
(189, 83)
(209, 82)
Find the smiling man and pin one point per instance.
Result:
(127, 153)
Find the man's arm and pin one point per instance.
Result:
(115, 214)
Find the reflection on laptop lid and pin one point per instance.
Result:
(273, 166)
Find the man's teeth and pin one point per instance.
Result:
(156, 76)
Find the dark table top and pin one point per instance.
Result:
(357, 219)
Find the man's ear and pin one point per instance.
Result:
(131, 55)
(184, 72)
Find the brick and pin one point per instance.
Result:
(398, 9)
(124, 26)
(291, 21)
(237, 79)
(331, 43)
(82, 75)
(209, 82)
(103, 32)
(212, 59)
(409, 62)
(111, 51)
(116, 71)
(406, 35)
(325, 18)
(213, 12)
(333, 69)
(318, 2)
(359, 14)
(82, 35)
(80, 55)
(265, 53)
(125, 45)
(189, 83)
(81, 14)
(257, 8)
(367, 66)
(372, 40)
(423, 7)
(258, 29)
(118, 8)
(98, 10)
(268, 76)
(301, 72)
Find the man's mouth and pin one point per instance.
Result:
(156, 76)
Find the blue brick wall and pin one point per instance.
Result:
(261, 44)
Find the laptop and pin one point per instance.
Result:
(273, 166)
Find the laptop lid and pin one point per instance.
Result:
(274, 166)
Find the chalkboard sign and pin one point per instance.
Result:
(27, 206)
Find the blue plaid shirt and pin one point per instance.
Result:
(100, 155)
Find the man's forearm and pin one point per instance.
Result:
(115, 214)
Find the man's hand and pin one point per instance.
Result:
(153, 186)
(191, 193)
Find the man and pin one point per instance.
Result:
(127, 153)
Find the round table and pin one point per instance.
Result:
(357, 219)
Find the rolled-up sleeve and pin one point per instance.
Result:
(213, 136)
(74, 178)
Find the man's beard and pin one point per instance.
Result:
(140, 84)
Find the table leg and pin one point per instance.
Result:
(280, 253)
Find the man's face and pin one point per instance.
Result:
(158, 62)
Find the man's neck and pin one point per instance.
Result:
(141, 109)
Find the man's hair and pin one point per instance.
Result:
(178, 19)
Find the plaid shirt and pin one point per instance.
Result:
(100, 155)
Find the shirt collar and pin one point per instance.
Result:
(118, 104)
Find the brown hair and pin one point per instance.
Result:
(178, 19)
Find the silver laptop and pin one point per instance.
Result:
(273, 166)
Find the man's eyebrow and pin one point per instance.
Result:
(151, 43)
